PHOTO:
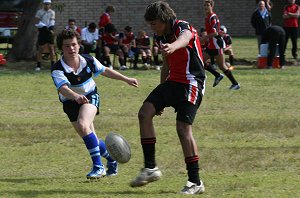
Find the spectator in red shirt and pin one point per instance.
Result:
(290, 23)
(127, 41)
(110, 41)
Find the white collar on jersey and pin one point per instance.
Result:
(69, 69)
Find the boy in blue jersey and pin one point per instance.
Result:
(72, 76)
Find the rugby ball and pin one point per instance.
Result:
(117, 147)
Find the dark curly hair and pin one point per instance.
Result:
(66, 34)
(159, 10)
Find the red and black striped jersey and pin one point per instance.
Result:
(185, 64)
(212, 25)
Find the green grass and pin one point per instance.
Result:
(248, 140)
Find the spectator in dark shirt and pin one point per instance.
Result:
(260, 20)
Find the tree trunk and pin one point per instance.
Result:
(24, 44)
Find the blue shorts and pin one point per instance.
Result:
(71, 107)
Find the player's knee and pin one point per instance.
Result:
(144, 114)
(82, 126)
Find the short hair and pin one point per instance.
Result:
(159, 10)
(72, 20)
(128, 28)
(211, 2)
(92, 26)
(66, 34)
(110, 8)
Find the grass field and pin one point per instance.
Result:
(248, 140)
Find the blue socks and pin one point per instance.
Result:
(91, 143)
(104, 152)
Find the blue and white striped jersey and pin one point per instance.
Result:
(80, 81)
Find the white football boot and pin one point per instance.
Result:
(146, 176)
(192, 188)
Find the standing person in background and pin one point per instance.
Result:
(260, 20)
(268, 3)
(216, 45)
(274, 35)
(73, 77)
(290, 16)
(105, 18)
(46, 22)
(181, 86)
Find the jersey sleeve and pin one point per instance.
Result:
(52, 15)
(214, 23)
(182, 26)
(99, 68)
(59, 78)
(38, 14)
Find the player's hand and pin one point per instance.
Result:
(167, 49)
(81, 99)
(133, 82)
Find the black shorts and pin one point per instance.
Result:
(45, 36)
(214, 52)
(113, 48)
(71, 107)
(184, 98)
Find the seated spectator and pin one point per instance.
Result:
(155, 52)
(143, 48)
(72, 25)
(228, 45)
(110, 41)
(127, 41)
(90, 39)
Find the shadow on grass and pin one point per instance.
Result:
(37, 193)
